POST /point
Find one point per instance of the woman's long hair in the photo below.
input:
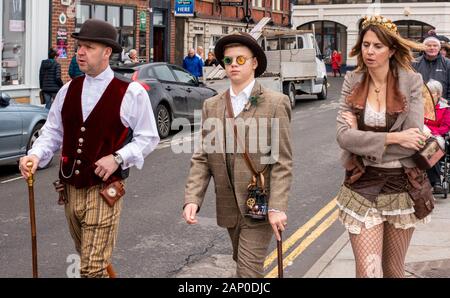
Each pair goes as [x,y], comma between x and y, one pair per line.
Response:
[402,57]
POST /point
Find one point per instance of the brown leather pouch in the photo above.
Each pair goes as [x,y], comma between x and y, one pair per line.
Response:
[61,190]
[112,192]
[420,191]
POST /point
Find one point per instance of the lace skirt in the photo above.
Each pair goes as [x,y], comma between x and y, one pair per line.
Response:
[355,211]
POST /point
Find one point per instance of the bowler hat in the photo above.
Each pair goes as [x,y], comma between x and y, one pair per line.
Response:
[99,31]
[246,40]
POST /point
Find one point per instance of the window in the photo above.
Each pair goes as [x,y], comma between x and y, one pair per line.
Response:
[100,12]
[183,76]
[288,43]
[411,29]
[114,15]
[163,73]
[257,3]
[12,42]
[158,17]
[273,44]
[329,36]
[128,17]
[300,42]
[83,13]
[276,5]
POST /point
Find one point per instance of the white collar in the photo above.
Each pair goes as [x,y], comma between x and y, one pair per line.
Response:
[106,75]
[247,90]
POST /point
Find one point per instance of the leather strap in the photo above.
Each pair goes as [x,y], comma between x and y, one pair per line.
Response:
[248,161]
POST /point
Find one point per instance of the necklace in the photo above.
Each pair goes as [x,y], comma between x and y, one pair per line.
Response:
[377,90]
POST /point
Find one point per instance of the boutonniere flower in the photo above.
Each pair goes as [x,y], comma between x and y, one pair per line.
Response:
[252,101]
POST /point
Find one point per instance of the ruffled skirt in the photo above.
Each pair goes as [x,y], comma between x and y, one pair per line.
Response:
[356,212]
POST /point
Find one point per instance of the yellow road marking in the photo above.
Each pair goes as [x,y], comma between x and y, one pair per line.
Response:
[305,243]
[301,232]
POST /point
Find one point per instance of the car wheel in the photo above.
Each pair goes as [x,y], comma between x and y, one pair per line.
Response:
[163,121]
[289,90]
[324,92]
[35,133]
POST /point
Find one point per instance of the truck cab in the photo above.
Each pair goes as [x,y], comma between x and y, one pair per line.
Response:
[295,58]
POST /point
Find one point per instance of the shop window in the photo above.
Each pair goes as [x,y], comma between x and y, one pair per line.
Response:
[100,12]
[83,13]
[158,17]
[329,36]
[128,17]
[114,15]
[12,42]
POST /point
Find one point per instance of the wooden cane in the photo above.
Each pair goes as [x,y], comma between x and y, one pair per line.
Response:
[111,272]
[30,181]
[280,255]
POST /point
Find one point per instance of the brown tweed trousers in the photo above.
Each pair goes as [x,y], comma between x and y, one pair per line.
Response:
[250,239]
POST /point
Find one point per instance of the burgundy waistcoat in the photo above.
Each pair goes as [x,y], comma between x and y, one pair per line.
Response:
[85,142]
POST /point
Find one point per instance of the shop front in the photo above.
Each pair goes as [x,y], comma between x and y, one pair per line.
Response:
[22,45]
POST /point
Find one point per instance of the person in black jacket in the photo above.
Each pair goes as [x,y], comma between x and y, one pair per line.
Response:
[432,65]
[50,78]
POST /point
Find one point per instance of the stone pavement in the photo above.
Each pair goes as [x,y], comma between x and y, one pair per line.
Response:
[428,254]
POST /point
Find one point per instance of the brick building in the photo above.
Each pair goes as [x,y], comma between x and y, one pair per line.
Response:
[211,20]
[130,17]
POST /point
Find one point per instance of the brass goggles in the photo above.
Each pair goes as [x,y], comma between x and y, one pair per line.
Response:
[240,60]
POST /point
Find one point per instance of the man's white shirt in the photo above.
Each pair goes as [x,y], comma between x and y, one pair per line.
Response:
[239,101]
[135,112]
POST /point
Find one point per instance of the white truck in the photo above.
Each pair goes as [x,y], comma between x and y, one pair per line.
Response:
[295,65]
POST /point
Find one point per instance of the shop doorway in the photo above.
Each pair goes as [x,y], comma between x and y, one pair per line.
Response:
[158,44]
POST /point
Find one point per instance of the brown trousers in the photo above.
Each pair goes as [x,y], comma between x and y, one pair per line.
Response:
[250,244]
[93,226]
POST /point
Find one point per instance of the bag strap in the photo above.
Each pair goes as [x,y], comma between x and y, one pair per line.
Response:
[248,161]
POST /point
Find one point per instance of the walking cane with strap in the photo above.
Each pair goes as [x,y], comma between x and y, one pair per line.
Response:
[30,181]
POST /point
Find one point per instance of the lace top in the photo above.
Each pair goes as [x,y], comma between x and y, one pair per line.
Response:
[377,119]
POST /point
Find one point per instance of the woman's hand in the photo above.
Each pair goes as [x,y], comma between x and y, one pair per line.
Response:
[411,138]
[350,118]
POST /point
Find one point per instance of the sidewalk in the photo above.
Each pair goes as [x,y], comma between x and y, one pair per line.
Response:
[428,254]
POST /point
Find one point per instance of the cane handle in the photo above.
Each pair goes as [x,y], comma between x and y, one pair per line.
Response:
[30,178]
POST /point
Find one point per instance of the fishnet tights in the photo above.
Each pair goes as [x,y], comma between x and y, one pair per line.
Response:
[381,250]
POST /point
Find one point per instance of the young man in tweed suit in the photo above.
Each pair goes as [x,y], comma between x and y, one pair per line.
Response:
[243,60]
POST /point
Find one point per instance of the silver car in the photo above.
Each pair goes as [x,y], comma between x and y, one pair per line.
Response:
[20,126]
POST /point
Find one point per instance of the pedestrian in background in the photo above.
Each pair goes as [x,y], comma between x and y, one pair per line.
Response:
[243,60]
[104,126]
[50,77]
[74,69]
[379,128]
[193,64]
[211,61]
[336,61]
[438,128]
[432,65]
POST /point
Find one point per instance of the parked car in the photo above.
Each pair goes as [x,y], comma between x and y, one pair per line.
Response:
[20,126]
[173,91]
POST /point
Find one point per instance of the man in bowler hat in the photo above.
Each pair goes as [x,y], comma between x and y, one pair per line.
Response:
[243,60]
[105,126]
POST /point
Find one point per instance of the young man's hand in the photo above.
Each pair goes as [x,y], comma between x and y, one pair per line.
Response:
[189,213]
[278,221]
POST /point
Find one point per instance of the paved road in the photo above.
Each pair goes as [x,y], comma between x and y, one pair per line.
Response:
[153,239]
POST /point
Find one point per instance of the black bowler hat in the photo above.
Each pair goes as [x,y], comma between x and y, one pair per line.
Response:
[246,40]
[99,31]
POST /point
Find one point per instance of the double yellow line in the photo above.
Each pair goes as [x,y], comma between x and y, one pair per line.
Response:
[292,240]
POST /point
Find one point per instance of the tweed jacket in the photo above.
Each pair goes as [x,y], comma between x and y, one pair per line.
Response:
[371,145]
[231,197]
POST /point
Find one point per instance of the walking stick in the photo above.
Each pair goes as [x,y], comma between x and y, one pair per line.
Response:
[30,181]
[280,256]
